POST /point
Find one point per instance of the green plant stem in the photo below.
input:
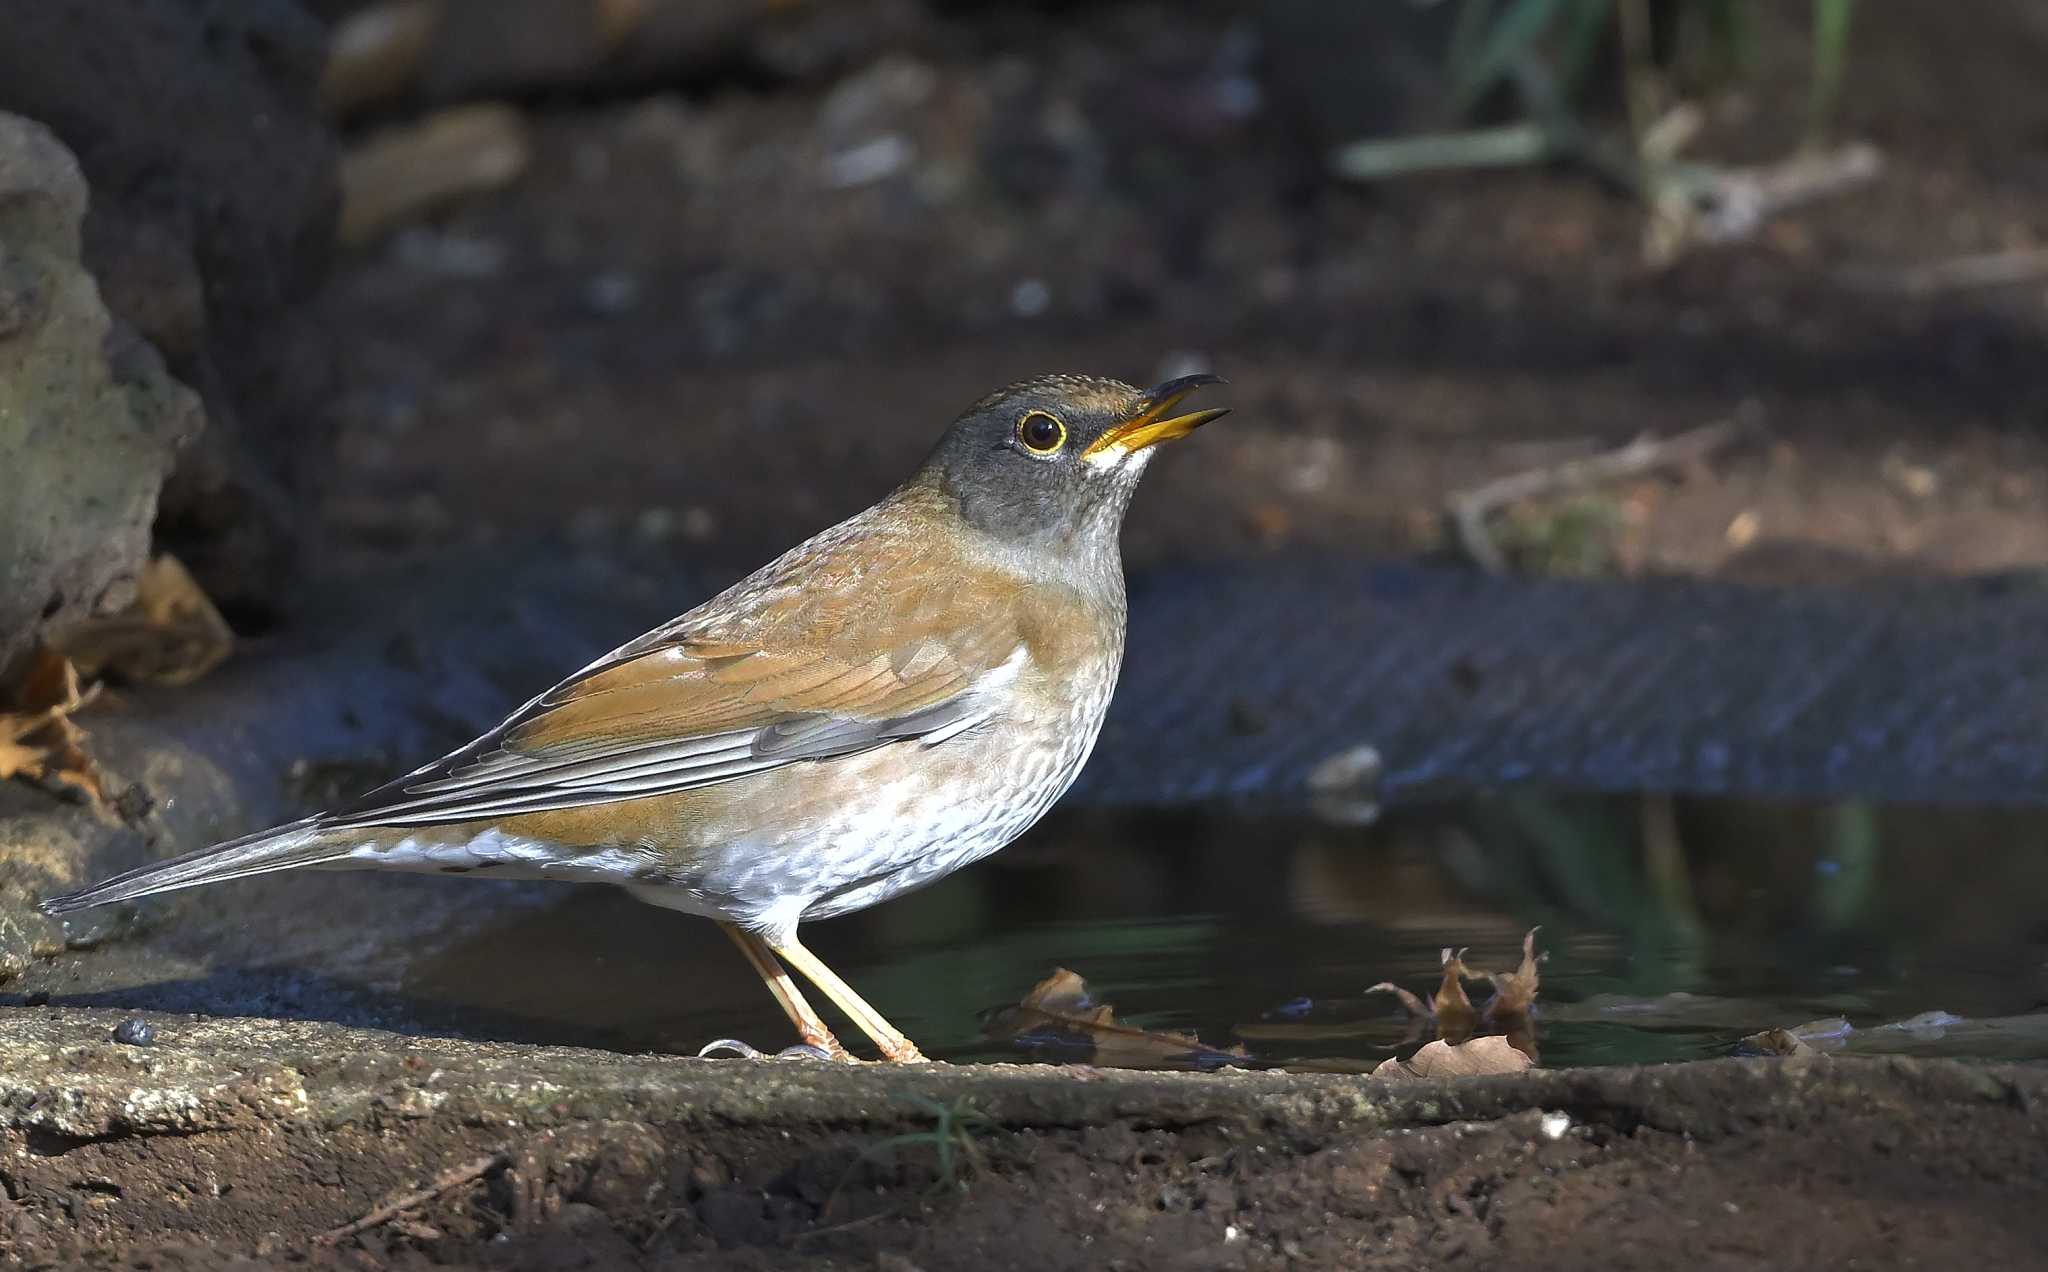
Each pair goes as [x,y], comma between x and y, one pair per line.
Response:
[1830,57]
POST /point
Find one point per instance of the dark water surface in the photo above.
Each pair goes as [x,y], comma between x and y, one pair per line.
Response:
[1673,928]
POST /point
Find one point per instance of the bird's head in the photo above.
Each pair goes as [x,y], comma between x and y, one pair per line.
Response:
[1054,461]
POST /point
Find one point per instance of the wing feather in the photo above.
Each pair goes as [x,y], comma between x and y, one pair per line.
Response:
[785,667]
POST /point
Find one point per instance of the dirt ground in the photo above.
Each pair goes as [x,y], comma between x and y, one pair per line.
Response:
[674,327]
[255,1138]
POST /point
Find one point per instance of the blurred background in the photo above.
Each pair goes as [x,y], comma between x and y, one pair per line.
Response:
[1744,292]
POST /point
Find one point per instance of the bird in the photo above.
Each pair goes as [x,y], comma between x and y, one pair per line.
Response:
[896,697]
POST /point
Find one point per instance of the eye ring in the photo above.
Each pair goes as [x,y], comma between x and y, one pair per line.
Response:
[1041,432]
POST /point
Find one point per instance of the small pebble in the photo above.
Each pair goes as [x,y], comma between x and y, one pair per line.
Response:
[612,292]
[135,1032]
[1030,298]
[1296,1008]
[869,162]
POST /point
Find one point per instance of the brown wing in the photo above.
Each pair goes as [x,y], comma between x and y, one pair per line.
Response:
[824,652]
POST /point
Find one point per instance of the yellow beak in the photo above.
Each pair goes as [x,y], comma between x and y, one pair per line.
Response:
[1153,424]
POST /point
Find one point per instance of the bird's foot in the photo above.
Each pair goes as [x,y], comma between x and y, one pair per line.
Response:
[795,1051]
[905,1052]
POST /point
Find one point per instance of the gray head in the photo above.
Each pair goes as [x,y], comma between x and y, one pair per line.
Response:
[1055,460]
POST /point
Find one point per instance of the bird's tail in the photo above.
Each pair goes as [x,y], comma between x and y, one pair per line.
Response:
[287,847]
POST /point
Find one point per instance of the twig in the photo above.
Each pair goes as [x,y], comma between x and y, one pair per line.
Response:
[1957,273]
[1508,146]
[446,1181]
[1469,509]
[1735,201]
[833,1230]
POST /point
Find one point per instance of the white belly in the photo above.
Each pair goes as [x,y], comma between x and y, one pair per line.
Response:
[888,827]
[840,835]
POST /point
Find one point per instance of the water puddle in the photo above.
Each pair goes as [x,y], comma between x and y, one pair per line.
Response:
[1670,929]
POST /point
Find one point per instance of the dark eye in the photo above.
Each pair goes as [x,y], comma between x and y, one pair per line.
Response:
[1042,434]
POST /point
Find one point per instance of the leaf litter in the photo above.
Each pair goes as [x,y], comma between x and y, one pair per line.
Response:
[39,740]
[170,635]
[1930,1034]
[1059,1016]
[1497,1036]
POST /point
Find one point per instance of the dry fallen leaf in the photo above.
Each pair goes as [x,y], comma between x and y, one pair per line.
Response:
[171,635]
[1440,1059]
[1454,1013]
[1930,1033]
[38,740]
[1775,1042]
[1510,1011]
[1516,991]
[1415,1007]
[1058,1011]
[1512,1007]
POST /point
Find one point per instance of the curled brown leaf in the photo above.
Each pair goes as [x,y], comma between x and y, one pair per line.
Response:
[1509,1013]
[1441,1059]
[1059,1012]
[39,741]
[1513,1005]
[1455,1015]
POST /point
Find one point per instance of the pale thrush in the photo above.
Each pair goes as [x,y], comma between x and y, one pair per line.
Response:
[894,698]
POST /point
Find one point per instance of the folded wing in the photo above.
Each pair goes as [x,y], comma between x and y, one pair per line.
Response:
[783,669]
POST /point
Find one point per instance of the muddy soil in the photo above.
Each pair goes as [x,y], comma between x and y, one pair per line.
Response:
[679,326]
[256,1138]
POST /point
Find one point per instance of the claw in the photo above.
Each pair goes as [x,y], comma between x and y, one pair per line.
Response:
[728,1046]
[807,1051]
[747,1051]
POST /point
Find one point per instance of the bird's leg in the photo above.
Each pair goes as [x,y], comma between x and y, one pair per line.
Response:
[810,1027]
[894,1046]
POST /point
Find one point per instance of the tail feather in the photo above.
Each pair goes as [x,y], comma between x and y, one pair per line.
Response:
[286,847]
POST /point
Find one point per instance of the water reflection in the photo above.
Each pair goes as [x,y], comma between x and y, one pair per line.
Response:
[1673,927]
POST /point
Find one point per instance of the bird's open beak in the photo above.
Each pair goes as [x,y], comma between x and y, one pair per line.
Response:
[1155,422]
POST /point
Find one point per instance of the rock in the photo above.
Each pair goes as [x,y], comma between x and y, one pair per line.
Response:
[89,420]
[444,51]
[212,216]
[405,172]
[215,1135]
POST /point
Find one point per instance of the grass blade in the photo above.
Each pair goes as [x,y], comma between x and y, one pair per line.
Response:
[1731,33]
[1584,24]
[1830,58]
[1508,40]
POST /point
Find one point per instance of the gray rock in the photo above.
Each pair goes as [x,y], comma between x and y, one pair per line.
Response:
[89,420]
[213,205]
[135,1032]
